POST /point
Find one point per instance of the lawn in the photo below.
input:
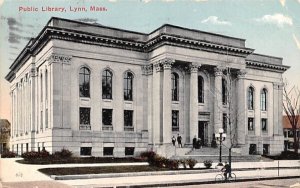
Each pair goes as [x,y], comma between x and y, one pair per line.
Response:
[100,170]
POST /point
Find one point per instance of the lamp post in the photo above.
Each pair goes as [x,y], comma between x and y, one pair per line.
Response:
[220,136]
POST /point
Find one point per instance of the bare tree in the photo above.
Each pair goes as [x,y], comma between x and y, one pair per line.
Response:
[291,107]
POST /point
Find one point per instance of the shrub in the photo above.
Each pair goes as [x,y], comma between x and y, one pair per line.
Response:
[8,154]
[183,162]
[34,155]
[207,163]
[173,164]
[191,162]
[63,154]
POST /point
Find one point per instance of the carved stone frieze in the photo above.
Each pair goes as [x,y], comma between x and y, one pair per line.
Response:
[59,58]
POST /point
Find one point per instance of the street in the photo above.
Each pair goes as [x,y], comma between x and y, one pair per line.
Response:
[291,183]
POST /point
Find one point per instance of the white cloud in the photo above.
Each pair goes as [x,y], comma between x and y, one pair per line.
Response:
[215,20]
[204,0]
[112,1]
[146,1]
[282,2]
[297,41]
[278,19]
[1,2]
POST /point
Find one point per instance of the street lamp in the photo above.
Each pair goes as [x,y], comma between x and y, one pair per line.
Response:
[220,137]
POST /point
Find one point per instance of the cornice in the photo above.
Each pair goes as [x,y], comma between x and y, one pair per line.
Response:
[266,66]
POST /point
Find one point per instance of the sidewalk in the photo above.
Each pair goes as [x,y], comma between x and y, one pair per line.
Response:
[11,171]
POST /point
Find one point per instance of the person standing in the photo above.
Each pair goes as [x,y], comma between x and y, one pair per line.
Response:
[194,142]
[173,140]
[179,141]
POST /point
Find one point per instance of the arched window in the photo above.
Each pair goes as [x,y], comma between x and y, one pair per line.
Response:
[84,82]
[128,80]
[200,89]
[250,98]
[107,84]
[263,99]
[224,91]
[175,84]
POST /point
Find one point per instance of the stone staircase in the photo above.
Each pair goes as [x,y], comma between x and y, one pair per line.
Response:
[208,153]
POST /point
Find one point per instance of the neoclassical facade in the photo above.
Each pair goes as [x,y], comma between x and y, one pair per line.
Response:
[104,91]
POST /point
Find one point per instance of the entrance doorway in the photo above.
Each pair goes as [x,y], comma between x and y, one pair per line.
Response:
[202,132]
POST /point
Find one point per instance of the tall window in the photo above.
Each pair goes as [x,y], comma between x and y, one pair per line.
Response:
[175,84]
[264,124]
[46,118]
[263,100]
[224,91]
[107,117]
[225,121]
[128,120]
[128,79]
[175,120]
[41,125]
[200,89]
[84,82]
[250,124]
[106,85]
[41,89]
[84,119]
[250,98]
[46,84]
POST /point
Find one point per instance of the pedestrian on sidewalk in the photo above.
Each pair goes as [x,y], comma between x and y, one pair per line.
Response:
[179,140]
[173,140]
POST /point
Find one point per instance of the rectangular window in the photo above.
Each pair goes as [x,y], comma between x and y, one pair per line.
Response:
[250,124]
[175,120]
[41,126]
[107,119]
[128,120]
[129,151]
[264,124]
[266,149]
[85,151]
[252,149]
[290,134]
[108,151]
[225,120]
[46,118]
[285,134]
[27,149]
[84,119]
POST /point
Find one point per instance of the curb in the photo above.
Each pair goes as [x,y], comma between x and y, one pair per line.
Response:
[171,184]
[131,174]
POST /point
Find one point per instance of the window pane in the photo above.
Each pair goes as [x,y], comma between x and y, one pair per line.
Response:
[224,91]
[128,116]
[200,89]
[84,82]
[264,124]
[128,79]
[175,86]
[84,115]
[129,151]
[225,123]
[250,98]
[107,116]
[108,151]
[250,124]
[175,120]
[86,151]
[107,85]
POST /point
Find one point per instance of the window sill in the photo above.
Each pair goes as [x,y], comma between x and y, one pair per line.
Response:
[107,100]
[85,98]
[175,102]
[175,129]
[84,127]
[107,128]
[131,129]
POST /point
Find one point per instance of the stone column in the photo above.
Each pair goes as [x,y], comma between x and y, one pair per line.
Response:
[218,99]
[148,72]
[167,100]
[241,108]
[60,73]
[193,101]
[278,108]
[33,96]
[157,104]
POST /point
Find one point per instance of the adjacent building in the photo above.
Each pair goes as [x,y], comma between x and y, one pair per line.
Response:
[289,133]
[105,91]
[4,135]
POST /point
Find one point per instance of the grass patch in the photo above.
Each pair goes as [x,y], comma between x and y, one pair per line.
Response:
[82,160]
[100,170]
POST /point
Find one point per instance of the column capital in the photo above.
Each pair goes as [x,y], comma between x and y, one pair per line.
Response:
[193,67]
[59,58]
[147,69]
[158,66]
[167,63]
[241,73]
[218,71]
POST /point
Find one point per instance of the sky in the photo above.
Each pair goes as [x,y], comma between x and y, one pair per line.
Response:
[271,27]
